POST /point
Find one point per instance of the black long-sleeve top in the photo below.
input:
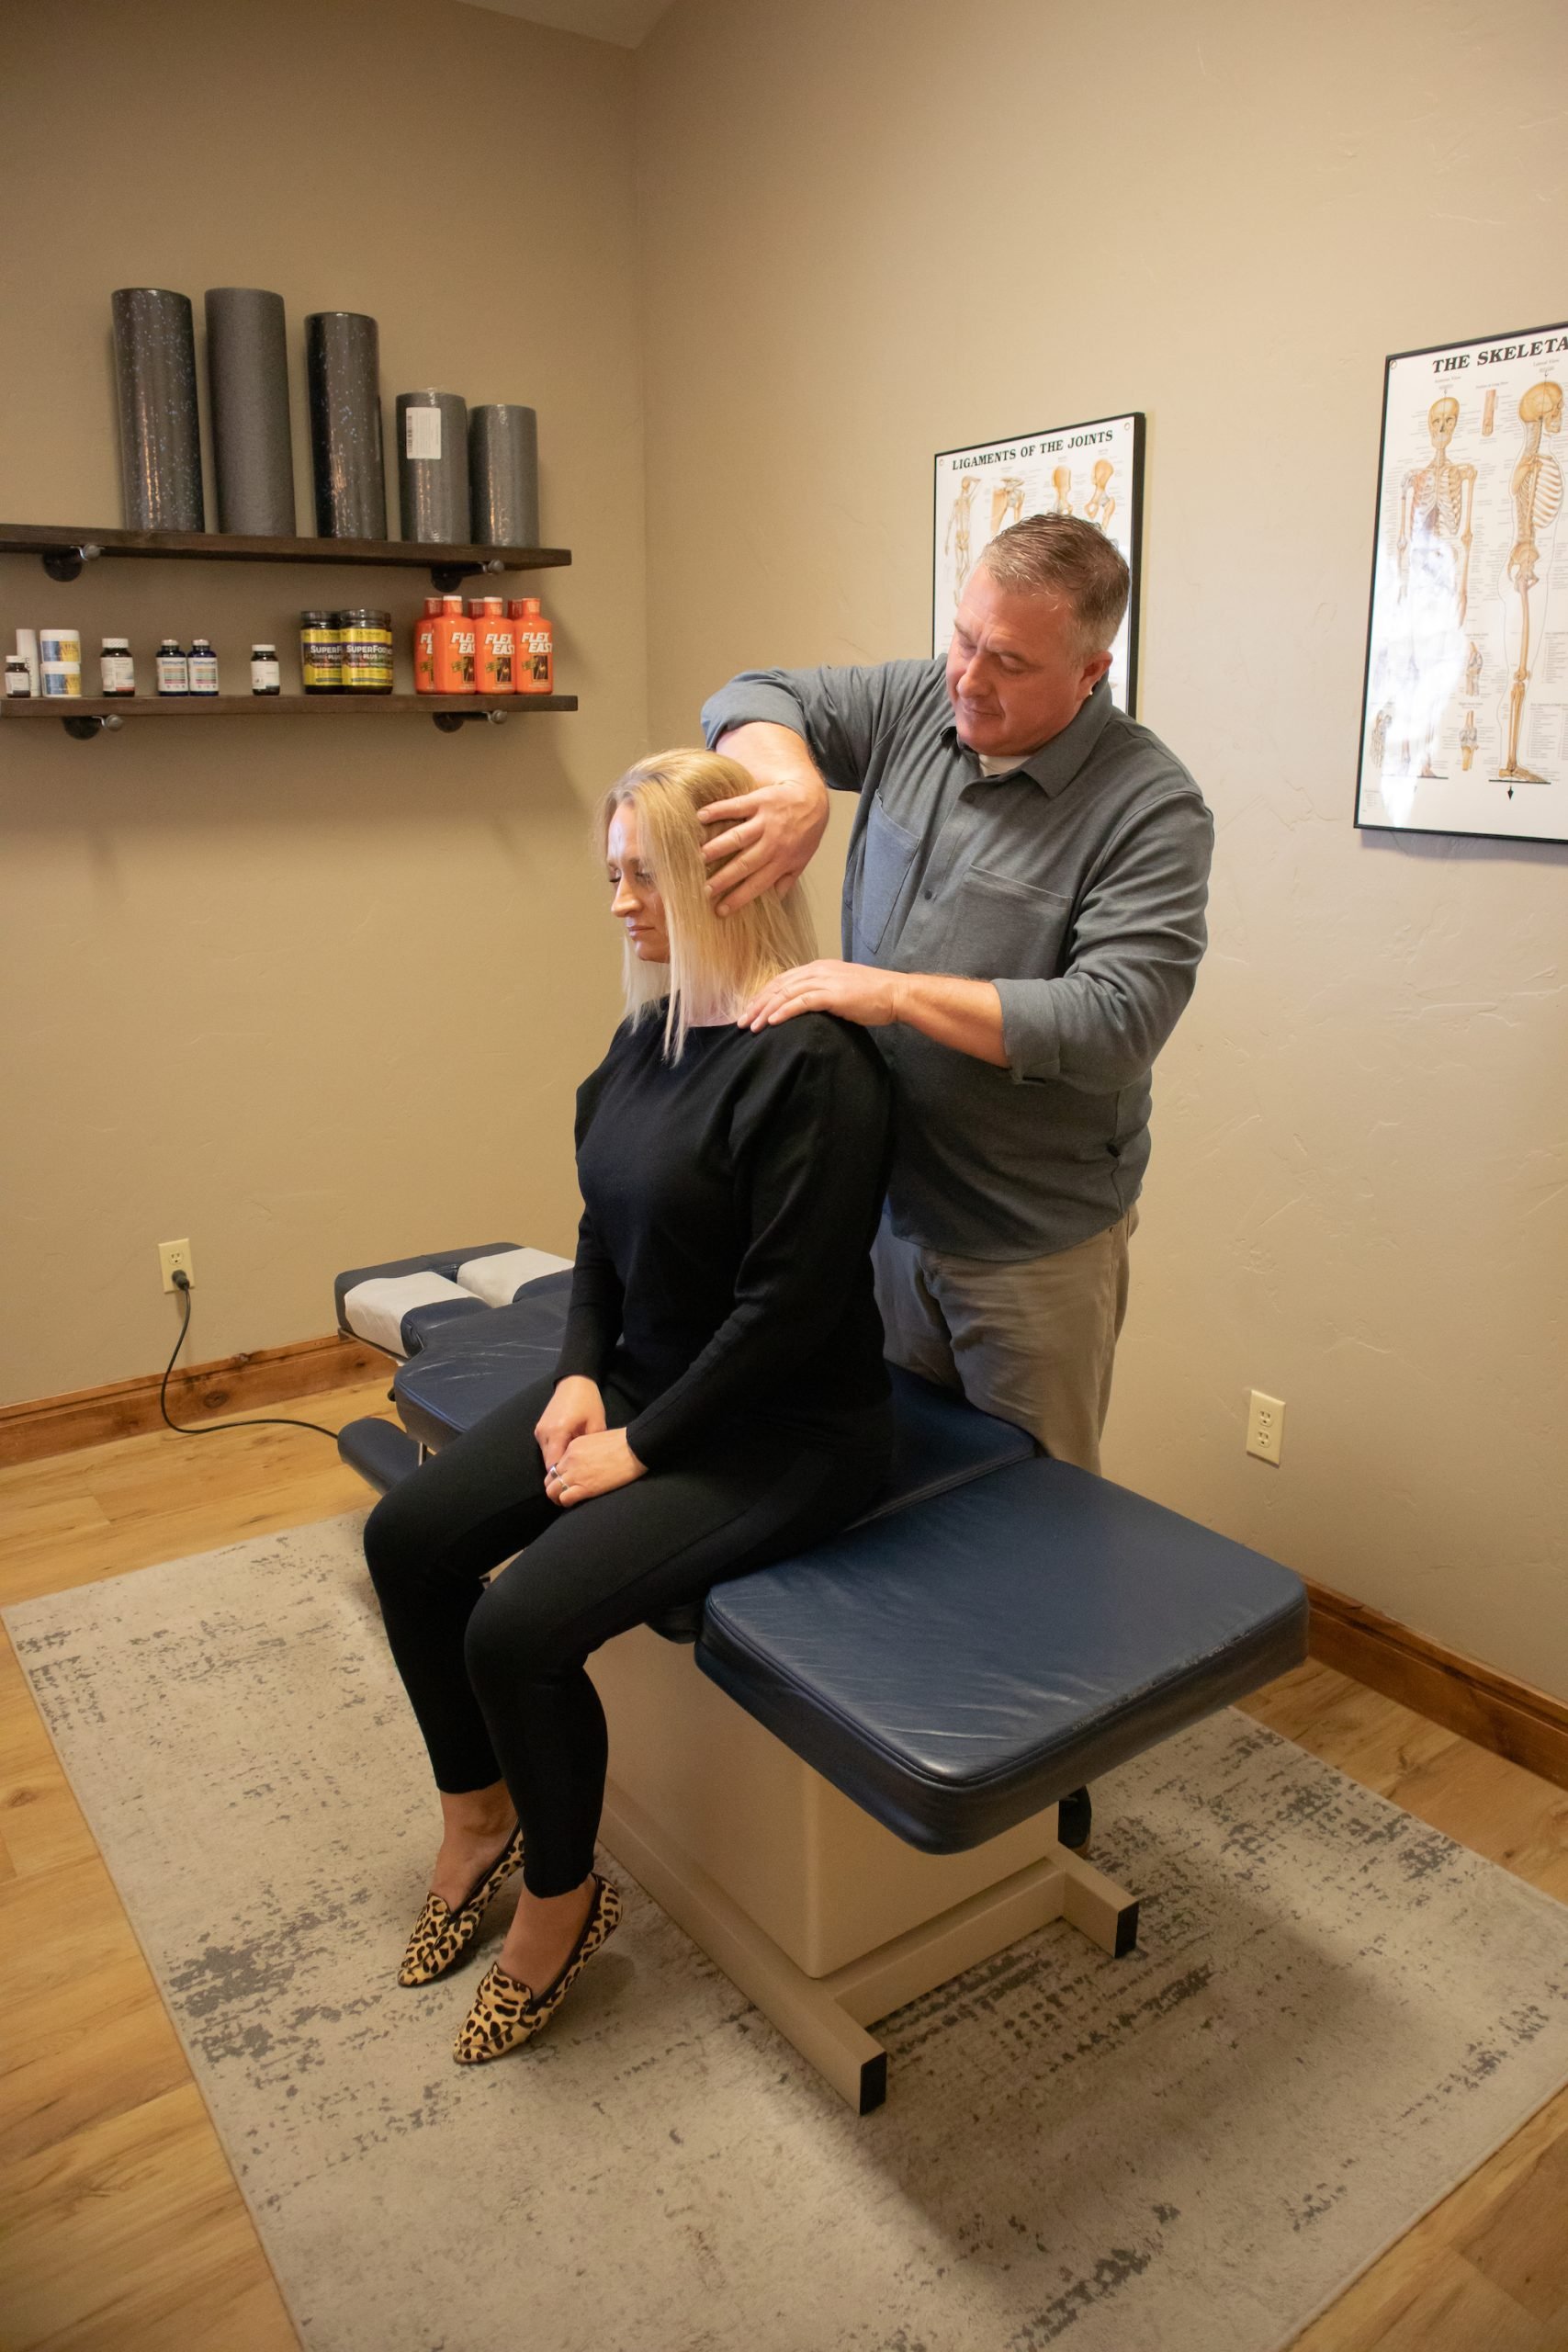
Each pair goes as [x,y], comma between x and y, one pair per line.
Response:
[723,1260]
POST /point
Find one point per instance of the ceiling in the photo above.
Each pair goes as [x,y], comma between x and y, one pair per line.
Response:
[624,21]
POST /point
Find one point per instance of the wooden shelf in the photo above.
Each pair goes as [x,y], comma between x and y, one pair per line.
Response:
[89,715]
[65,549]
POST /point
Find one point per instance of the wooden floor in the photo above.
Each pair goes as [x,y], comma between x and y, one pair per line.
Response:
[123,2229]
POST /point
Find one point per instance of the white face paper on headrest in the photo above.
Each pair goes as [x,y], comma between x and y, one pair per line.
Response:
[498,1280]
[375,1309]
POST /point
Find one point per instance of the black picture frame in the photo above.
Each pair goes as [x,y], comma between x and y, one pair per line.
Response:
[1492,363]
[1054,441]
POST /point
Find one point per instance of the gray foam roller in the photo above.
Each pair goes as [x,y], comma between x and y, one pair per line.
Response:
[159,439]
[433,490]
[247,381]
[503,452]
[343,362]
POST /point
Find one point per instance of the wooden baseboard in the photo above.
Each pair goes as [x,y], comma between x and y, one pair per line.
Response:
[1527,1726]
[203,1392]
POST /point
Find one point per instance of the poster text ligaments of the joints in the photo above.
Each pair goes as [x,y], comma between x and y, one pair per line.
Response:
[1089,470]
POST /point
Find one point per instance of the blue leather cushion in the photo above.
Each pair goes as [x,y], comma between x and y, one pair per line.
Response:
[479,1361]
[379,1450]
[421,1325]
[938,1441]
[961,1666]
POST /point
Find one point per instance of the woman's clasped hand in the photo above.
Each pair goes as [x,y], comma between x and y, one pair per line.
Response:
[583,1458]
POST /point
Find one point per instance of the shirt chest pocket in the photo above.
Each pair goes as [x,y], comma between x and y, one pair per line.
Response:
[1004,930]
[889,853]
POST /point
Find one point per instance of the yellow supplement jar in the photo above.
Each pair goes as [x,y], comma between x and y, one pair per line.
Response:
[366,653]
[320,653]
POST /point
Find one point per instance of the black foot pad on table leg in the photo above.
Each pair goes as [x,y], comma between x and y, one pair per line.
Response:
[1075,1818]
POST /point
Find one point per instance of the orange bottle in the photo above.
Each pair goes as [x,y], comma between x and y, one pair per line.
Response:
[535,647]
[425,647]
[497,639]
[454,649]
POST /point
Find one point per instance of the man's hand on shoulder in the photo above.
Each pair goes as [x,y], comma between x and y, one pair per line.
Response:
[861,992]
[965,1014]
[771,834]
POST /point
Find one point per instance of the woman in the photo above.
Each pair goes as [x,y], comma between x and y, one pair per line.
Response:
[720,1398]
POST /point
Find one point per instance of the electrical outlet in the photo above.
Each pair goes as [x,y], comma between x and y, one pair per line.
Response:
[1265,1425]
[174,1257]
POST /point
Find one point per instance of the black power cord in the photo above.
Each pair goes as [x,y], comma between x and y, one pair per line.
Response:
[181,1280]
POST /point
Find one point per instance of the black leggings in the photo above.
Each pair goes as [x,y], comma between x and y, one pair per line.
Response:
[495,1674]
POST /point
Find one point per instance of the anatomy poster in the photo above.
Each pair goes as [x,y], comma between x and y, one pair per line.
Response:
[1094,469]
[1464,724]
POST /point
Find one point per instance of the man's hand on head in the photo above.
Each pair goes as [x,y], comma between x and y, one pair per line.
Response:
[861,992]
[772,834]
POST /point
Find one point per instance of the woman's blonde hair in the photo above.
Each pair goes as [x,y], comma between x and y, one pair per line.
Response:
[716,964]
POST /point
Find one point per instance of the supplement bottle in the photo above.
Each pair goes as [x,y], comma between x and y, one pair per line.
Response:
[367,651]
[202,667]
[454,649]
[536,648]
[116,671]
[173,673]
[496,646]
[320,653]
[61,645]
[425,647]
[266,675]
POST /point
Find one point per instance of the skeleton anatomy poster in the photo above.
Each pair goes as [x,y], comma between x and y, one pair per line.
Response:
[1094,469]
[1464,722]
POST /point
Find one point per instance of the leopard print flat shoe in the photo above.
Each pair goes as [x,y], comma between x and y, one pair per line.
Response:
[506,2013]
[442,1935]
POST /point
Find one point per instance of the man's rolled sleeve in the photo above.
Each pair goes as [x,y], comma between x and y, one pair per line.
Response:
[1029,1028]
[846,714]
[755,694]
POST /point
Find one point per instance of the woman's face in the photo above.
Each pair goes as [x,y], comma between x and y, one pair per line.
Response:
[636,903]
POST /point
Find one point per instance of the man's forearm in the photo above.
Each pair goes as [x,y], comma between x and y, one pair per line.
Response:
[772,753]
[965,1014]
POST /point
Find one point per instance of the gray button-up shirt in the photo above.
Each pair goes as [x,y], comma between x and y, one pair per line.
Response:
[1077,883]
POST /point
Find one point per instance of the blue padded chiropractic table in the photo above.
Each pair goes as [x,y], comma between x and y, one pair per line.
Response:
[911,1700]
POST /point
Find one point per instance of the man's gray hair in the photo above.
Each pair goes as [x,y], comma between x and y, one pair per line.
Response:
[1065,555]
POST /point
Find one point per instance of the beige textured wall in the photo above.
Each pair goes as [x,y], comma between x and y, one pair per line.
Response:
[308,992]
[872,232]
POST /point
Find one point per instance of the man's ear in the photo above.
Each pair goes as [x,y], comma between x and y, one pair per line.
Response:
[1094,669]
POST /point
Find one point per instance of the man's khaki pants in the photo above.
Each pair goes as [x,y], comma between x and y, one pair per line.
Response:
[1032,1341]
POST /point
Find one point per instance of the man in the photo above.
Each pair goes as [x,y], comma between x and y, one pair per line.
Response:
[1023,912]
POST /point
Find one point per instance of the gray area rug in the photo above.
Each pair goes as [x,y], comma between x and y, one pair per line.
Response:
[1335,2014]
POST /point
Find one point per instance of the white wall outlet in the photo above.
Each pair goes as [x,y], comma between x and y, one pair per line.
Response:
[174,1257]
[1265,1425]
